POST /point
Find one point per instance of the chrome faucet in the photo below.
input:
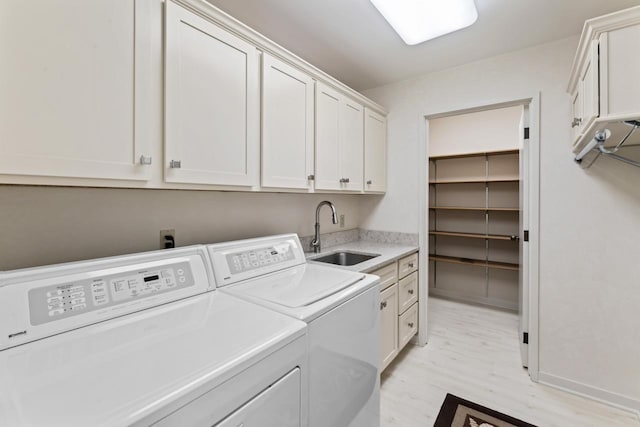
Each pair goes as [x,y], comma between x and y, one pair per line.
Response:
[315,243]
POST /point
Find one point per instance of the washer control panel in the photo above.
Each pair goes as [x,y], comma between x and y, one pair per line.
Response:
[247,260]
[47,304]
[241,260]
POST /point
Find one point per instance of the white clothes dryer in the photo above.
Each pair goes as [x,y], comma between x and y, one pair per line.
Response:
[340,307]
[144,340]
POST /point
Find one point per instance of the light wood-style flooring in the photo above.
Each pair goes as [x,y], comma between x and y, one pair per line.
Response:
[473,352]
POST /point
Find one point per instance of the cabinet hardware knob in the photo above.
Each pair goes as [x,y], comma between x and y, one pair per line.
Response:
[410,324]
[145,160]
[369,182]
[383,304]
[576,122]
[410,291]
[346,180]
[175,164]
[343,180]
[410,265]
[311,177]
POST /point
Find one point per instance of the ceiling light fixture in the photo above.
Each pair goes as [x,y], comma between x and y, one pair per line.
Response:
[417,21]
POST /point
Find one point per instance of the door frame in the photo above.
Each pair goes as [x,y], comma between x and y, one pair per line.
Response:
[533,101]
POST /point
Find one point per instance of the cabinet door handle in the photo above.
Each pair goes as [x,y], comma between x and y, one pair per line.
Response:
[410,265]
[383,305]
[346,180]
[175,164]
[342,181]
[369,182]
[576,122]
[311,177]
[145,160]
[410,324]
[410,291]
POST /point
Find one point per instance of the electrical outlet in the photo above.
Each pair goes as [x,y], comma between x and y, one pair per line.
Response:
[342,221]
[167,239]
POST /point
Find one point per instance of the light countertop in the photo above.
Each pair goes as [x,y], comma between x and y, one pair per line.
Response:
[388,252]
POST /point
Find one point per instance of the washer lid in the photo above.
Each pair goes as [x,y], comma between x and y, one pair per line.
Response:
[299,286]
[136,367]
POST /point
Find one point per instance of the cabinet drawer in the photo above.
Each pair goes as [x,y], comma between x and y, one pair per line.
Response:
[388,275]
[408,326]
[407,265]
[407,292]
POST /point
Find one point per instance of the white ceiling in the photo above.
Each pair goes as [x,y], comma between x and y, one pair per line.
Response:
[351,41]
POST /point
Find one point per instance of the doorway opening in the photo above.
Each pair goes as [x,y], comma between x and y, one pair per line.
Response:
[481,174]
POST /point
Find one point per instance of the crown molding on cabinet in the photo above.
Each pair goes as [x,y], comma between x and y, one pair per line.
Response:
[592,30]
[229,23]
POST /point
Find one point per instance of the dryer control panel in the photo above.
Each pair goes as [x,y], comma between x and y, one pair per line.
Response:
[40,302]
[47,304]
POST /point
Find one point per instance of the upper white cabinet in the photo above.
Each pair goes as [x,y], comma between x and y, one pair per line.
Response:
[287,126]
[604,85]
[211,103]
[172,94]
[339,141]
[375,152]
[74,79]
[351,144]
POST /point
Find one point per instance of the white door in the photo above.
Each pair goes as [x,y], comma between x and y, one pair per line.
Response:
[523,285]
[351,144]
[74,79]
[328,111]
[211,103]
[287,126]
[375,152]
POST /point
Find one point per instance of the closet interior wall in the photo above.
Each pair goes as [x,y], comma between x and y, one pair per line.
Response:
[474,227]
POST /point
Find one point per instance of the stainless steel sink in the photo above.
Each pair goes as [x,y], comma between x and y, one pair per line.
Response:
[345,258]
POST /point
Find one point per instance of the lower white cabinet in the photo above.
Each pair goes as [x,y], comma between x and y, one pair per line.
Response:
[398,306]
[407,326]
[388,325]
[211,103]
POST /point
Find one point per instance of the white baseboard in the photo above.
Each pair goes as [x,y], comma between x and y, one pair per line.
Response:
[594,393]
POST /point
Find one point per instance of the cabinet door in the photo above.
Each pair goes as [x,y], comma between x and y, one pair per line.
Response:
[287,125]
[576,109]
[351,145]
[375,152]
[620,67]
[589,87]
[75,93]
[327,173]
[212,103]
[388,325]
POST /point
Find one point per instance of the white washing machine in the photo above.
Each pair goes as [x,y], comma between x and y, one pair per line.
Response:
[144,340]
[341,309]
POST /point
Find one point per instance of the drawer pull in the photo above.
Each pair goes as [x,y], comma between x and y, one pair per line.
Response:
[410,291]
[145,160]
[383,304]
[369,182]
[175,164]
[410,324]
[410,265]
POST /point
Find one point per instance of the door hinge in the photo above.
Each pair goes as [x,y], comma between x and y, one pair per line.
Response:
[525,337]
[526,235]
[526,133]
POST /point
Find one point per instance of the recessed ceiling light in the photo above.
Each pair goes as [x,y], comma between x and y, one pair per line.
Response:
[417,21]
